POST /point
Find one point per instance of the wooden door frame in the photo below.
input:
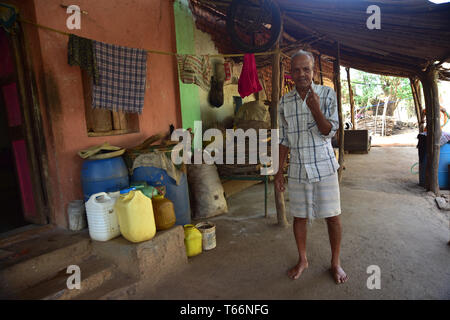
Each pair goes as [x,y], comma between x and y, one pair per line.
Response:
[32,121]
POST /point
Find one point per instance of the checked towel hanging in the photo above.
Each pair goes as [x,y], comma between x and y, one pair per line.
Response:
[122,74]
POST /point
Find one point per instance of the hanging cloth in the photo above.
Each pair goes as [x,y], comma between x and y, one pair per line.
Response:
[248,81]
[8,16]
[122,73]
[80,53]
[195,69]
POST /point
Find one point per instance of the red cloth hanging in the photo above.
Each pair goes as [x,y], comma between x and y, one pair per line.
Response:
[248,81]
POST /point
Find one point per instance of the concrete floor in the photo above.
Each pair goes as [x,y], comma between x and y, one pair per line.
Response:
[388,221]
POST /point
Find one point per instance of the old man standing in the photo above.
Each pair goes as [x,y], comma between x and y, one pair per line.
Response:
[308,119]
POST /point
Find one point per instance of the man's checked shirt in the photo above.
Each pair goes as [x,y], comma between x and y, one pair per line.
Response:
[312,157]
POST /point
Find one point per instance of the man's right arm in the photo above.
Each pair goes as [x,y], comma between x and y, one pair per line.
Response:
[283,147]
[279,176]
[283,151]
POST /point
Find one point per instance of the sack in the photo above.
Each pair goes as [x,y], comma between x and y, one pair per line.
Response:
[216,93]
[206,191]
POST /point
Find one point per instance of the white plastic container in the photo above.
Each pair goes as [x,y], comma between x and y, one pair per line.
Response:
[77,215]
[102,218]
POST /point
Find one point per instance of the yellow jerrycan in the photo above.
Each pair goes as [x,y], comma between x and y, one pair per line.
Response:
[135,214]
[164,212]
[192,240]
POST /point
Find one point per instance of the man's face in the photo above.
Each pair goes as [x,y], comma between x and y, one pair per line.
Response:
[302,71]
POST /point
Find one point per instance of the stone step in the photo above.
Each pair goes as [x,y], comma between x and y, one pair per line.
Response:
[94,272]
[119,287]
[149,260]
[33,260]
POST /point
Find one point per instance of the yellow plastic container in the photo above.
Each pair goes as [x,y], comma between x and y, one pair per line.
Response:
[192,240]
[135,214]
[164,212]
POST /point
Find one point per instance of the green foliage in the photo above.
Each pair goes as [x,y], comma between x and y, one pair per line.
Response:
[369,89]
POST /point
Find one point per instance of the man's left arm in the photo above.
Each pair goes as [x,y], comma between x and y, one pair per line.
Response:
[327,122]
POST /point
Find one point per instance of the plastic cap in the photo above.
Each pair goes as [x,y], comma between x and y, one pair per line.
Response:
[127,190]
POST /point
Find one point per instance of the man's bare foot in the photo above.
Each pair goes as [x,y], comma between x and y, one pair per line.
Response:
[295,272]
[338,274]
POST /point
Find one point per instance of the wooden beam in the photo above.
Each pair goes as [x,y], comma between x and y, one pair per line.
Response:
[352,102]
[289,37]
[432,107]
[337,79]
[279,196]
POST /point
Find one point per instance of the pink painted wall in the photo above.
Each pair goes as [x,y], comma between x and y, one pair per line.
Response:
[147,24]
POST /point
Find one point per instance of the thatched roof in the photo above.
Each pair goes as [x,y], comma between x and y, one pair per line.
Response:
[413,34]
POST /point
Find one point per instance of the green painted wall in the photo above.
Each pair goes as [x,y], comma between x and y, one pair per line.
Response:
[189,94]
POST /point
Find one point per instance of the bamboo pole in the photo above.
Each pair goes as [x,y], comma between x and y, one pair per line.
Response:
[337,79]
[279,196]
[352,101]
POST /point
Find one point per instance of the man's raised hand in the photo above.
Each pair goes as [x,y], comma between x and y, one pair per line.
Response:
[313,100]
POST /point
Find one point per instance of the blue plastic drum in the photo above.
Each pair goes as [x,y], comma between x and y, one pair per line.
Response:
[444,161]
[178,194]
[104,175]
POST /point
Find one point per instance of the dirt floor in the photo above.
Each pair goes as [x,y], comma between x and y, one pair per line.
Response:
[406,137]
[388,221]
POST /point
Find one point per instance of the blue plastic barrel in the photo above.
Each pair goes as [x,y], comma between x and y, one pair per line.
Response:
[444,161]
[104,175]
[178,194]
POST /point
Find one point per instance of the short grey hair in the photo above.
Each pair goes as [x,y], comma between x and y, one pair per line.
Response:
[304,53]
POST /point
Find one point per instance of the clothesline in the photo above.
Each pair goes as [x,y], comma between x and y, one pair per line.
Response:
[162,52]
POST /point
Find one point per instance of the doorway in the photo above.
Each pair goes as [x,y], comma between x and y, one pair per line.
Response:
[21,195]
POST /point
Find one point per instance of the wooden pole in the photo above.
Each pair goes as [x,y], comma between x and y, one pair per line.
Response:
[352,102]
[337,81]
[383,118]
[376,117]
[415,88]
[320,69]
[434,183]
[29,131]
[279,196]
[281,79]
[428,115]
[416,103]
[428,79]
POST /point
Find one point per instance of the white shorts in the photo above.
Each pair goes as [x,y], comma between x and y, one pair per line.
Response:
[315,200]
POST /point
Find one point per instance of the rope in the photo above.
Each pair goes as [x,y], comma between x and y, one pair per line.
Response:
[156,51]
